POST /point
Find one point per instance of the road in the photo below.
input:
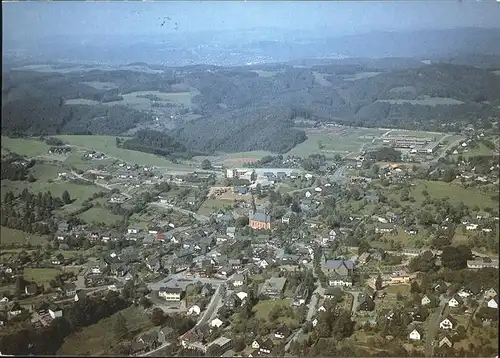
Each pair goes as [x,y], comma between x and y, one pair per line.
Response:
[445,149]
[433,327]
[201,218]
[107,187]
[213,305]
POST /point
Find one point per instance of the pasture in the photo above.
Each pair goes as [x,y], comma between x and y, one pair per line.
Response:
[456,193]
[335,140]
[99,339]
[13,236]
[41,276]
[107,145]
[26,147]
[99,215]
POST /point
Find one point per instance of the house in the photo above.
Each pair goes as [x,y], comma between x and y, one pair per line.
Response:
[206,290]
[383,228]
[223,343]
[341,267]
[273,287]
[80,296]
[257,343]
[366,303]
[266,347]
[238,280]
[216,322]
[490,293]
[445,340]
[31,289]
[471,226]
[339,280]
[150,340]
[231,231]
[259,221]
[242,295]
[415,335]
[282,332]
[363,259]
[447,323]
[235,264]
[194,310]
[400,277]
[425,300]
[170,293]
[493,303]
[69,289]
[55,312]
[300,295]
[133,230]
[455,301]
[15,310]
[232,301]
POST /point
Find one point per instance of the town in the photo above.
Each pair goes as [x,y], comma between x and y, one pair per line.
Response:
[259,261]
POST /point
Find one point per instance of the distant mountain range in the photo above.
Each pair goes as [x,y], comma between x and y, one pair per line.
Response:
[256,46]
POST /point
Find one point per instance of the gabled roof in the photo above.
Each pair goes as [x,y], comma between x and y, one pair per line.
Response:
[336,264]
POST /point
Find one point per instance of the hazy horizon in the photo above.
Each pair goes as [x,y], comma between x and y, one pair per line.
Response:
[37,20]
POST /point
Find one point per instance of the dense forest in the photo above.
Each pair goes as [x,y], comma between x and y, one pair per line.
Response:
[238,109]
[155,142]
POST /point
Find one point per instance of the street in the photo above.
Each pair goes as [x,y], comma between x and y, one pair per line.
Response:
[213,306]
[433,327]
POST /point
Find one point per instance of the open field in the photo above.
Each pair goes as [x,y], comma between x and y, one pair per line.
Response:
[107,145]
[99,338]
[481,150]
[100,85]
[42,276]
[438,189]
[99,215]
[263,308]
[335,140]
[395,289]
[234,159]
[13,236]
[435,101]
[211,205]
[26,147]
[263,73]
[360,76]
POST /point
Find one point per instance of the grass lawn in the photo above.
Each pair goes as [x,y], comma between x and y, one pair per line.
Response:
[13,236]
[99,338]
[99,215]
[42,276]
[27,147]
[394,289]
[481,150]
[45,172]
[439,189]
[263,308]
[107,145]
[211,205]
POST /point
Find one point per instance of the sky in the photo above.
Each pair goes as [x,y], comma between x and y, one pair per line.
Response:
[39,19]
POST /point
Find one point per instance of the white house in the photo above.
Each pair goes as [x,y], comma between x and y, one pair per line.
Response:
[133,230]
[256,344]
[493,303]
[340,281]
[471,226]
[464,294]
[263,264]
[490,293]
[194,310]
[242,295]
[308,194]
[318,189]
[425,301]
[446,324]
[55,312]
[315,322]
[322,309]
[216,323]
[238,280]
[415,335]
[454,302]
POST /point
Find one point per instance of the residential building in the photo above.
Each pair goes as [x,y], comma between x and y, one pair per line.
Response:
[170,293]
[493,303]
[445,340]
[55,312]
[415,335]
[69,289]
[194,310]
[238,280]
[425,300]
[273,287]
[216,322]
[455,301]
[447,323]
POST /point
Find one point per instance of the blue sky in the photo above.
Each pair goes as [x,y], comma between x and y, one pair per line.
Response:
[35,19]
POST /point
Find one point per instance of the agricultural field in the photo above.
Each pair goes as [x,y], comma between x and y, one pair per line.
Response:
[26,147]
[99,215]
[435,101]
[107,145]
[13,236]
[335,140]
[456,193]
[41,276]
[99,338]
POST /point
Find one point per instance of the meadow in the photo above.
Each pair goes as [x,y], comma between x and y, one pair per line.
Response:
[41,276]
[13,236]
[26,147]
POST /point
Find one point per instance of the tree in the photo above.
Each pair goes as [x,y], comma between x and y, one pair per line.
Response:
[242,221]
[378,283]
[120,327]
[158,317]
[296,207]
[66,197]
[415,288]
[455,257]
[206,164]
[145,302]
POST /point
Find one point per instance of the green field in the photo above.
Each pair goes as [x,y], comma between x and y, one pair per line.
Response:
[107,145]
[347,140]
[26,147]
[438,189]
[394,289]
[435,101]
[211,205]
[42,276]
[99,339]
[481,150]
[99,215]
[13,236]
[263,308]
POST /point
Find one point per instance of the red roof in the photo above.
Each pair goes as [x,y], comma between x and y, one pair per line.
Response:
[161,236]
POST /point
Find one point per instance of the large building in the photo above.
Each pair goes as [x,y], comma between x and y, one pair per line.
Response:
[260,221]
[170,293]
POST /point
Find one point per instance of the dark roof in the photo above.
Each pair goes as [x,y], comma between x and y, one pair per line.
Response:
[69,287]
[261,217]
[335,264]
[171,289]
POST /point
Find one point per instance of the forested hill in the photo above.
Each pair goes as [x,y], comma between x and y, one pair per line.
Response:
[264,128]
[209,108]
